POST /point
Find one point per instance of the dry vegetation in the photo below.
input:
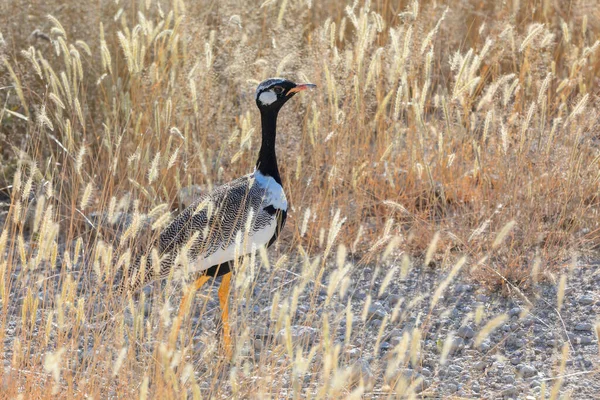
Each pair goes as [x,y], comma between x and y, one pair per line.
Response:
[437,131]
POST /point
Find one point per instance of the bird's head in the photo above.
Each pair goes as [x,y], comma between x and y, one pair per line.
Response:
[273,93]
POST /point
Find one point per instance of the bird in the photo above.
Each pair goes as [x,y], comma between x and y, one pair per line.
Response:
[222,226]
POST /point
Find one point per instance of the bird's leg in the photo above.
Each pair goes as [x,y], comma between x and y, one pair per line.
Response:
[184,306]
[224,303]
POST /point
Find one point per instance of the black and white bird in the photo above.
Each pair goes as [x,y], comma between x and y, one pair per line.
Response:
[233,220]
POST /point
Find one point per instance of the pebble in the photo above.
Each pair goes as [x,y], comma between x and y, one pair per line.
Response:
[393,299]
[261,332]
[454,370]
[361,295]
[375,324]
[376,311]
[498,365]
[482,298]
[583,326]
[514,342]
[363,371]
[457,345]
[510,390]
[451,387]
[302,308]
[385,346]
[527,371]
[586,299]
[353,352]
[466,332]
[485,346]
[409,375]
[585,340]
[395,340]
[300,335]
[515,311]
[528,321]
[463,288]
[480,365]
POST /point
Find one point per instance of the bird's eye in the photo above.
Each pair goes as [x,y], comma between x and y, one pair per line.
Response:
[278,89]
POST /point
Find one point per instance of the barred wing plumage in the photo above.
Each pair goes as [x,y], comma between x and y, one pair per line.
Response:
[207,229]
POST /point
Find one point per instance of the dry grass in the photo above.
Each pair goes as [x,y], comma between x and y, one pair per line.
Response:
[440,132]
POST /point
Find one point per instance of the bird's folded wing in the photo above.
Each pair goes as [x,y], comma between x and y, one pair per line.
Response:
[212,222]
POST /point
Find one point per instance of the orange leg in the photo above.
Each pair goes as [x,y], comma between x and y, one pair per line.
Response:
[184,307]
[224,303]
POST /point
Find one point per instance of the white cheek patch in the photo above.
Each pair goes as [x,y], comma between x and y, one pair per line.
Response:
[267,97]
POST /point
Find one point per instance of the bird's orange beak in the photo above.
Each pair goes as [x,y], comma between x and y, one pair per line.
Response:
[301,87]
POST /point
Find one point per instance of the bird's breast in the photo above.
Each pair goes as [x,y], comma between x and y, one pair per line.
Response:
[244,243]
[273,192]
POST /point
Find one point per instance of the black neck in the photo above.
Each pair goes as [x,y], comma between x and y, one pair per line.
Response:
[267,160]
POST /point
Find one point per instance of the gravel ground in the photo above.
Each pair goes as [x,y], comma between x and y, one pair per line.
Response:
[513,362]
